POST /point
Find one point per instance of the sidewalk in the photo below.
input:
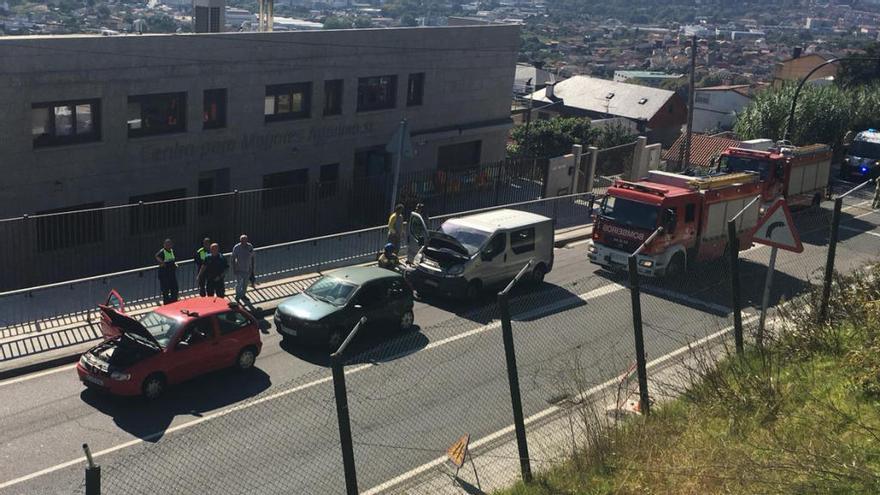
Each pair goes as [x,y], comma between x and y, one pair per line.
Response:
[61,340]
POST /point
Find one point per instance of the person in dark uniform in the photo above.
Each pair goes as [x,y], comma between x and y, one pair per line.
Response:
[167,272]
[213,271]
[199,259]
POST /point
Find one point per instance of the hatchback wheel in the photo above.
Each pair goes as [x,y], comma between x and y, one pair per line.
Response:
[406,320]
[153,387]
[246,359]
[538,274]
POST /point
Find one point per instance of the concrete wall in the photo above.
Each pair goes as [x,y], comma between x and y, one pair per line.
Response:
[468,75]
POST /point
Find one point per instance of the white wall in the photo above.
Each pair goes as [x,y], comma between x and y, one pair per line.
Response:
[719,111]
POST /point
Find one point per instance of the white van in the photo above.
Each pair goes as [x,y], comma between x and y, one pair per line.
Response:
[468,254]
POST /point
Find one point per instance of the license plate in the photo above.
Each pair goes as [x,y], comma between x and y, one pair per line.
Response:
[432,283]
[96,381]
[288,330]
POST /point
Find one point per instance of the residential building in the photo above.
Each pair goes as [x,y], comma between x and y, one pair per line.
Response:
[716,107]
[123,119]
[657,113]
[796,68]
[646,77]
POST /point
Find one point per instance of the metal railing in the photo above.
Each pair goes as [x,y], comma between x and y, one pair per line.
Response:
[73,302]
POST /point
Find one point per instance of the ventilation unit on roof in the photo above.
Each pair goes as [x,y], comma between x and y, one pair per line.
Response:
[609,96]
[642,101]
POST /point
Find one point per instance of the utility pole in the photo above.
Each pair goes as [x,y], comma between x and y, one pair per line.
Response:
[691,95]
[529,112]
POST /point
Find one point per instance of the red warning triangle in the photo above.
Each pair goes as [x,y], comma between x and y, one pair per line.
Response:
[776,229]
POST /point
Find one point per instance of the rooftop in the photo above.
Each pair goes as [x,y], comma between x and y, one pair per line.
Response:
[632,101]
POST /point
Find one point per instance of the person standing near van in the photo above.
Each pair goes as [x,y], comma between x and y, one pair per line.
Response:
[242,266]
[213,271]
[416,232]
[201,254]
[395,226]
[167,272]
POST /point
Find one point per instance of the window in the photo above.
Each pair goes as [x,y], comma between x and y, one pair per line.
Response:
[69,227]
[199,331]
[285,188]
[690,213]
[329,180]
[156,114]
[495,247]
[214,109]
[162,214]
[231,321]
[371,162]
[415,90]
[333,97]
[54,124]
[522,241]
[459,156]
[288,102]
[376,93]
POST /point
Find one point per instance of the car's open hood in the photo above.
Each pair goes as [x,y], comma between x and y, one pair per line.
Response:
[117,323]
[444,242]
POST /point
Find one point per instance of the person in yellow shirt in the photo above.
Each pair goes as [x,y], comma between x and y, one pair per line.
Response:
[395,227]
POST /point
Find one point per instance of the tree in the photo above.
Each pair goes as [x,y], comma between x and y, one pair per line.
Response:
[858,72]
[363,21]
[823,115]
[553,137]
[408,20]
[337,22]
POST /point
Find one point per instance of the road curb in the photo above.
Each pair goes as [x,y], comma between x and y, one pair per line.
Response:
[572,236]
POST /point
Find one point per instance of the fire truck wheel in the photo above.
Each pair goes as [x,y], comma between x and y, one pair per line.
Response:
[675,267]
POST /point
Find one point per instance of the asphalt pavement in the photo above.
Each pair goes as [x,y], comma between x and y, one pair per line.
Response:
[274,430]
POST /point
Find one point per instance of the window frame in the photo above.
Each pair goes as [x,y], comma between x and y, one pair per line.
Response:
[522,240]
[390,101]
[331,85]
[70,227]
[289,90]
[274,197]
[328,188]
[51,138]
[143,131]
[415,95]
[220,122]
[167,211]
[220,327]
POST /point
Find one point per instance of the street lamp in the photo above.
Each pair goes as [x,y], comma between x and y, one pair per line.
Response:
[797,92]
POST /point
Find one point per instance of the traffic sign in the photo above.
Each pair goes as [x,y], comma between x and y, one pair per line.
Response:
[458,450]
[776,229]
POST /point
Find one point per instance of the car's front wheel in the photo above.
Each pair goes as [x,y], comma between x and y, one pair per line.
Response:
[153,386]
[246,359]
[407,320]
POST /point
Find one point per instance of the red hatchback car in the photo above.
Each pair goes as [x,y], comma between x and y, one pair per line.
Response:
[143,355]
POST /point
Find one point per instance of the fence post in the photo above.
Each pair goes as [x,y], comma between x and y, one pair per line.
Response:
[236,215]
[340,393]
[829,262]
[733,251]
[641,363]
[591,169]
[513,377]
[93,473]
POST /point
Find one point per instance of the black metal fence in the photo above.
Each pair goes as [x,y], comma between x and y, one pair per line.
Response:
[64,246]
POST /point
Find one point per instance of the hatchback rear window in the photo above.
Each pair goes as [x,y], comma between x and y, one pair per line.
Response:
[231,321]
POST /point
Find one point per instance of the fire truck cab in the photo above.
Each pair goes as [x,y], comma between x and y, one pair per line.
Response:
[798,174]
[693,212]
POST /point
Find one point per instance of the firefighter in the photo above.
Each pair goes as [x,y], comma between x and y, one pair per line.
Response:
[201,254]
[167,272]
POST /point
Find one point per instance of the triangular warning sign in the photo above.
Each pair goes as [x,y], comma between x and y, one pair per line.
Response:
[776,229]
[458,450]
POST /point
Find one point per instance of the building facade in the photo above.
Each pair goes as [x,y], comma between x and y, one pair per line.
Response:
[716,108]
[93,121]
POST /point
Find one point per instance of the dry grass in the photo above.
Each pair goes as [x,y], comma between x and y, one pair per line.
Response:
[801,417]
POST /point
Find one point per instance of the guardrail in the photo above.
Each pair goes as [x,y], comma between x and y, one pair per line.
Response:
[73,302]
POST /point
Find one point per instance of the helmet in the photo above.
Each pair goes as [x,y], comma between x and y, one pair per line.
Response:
[389,247]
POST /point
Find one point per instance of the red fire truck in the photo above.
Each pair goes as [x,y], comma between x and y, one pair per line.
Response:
[798,174]
[693,212]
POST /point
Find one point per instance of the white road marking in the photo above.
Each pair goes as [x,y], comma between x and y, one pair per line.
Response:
[37,375]
[851,229]
[550,410]
[557,306]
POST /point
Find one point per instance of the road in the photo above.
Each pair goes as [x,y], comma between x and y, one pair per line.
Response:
[274,430]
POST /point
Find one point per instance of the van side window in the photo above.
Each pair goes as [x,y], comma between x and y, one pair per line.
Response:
[495,247]
[522,241]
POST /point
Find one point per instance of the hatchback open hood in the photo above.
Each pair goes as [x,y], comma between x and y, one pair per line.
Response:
[444,242]
[115,323]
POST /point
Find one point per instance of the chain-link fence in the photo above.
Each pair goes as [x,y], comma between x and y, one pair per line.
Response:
[412,395]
